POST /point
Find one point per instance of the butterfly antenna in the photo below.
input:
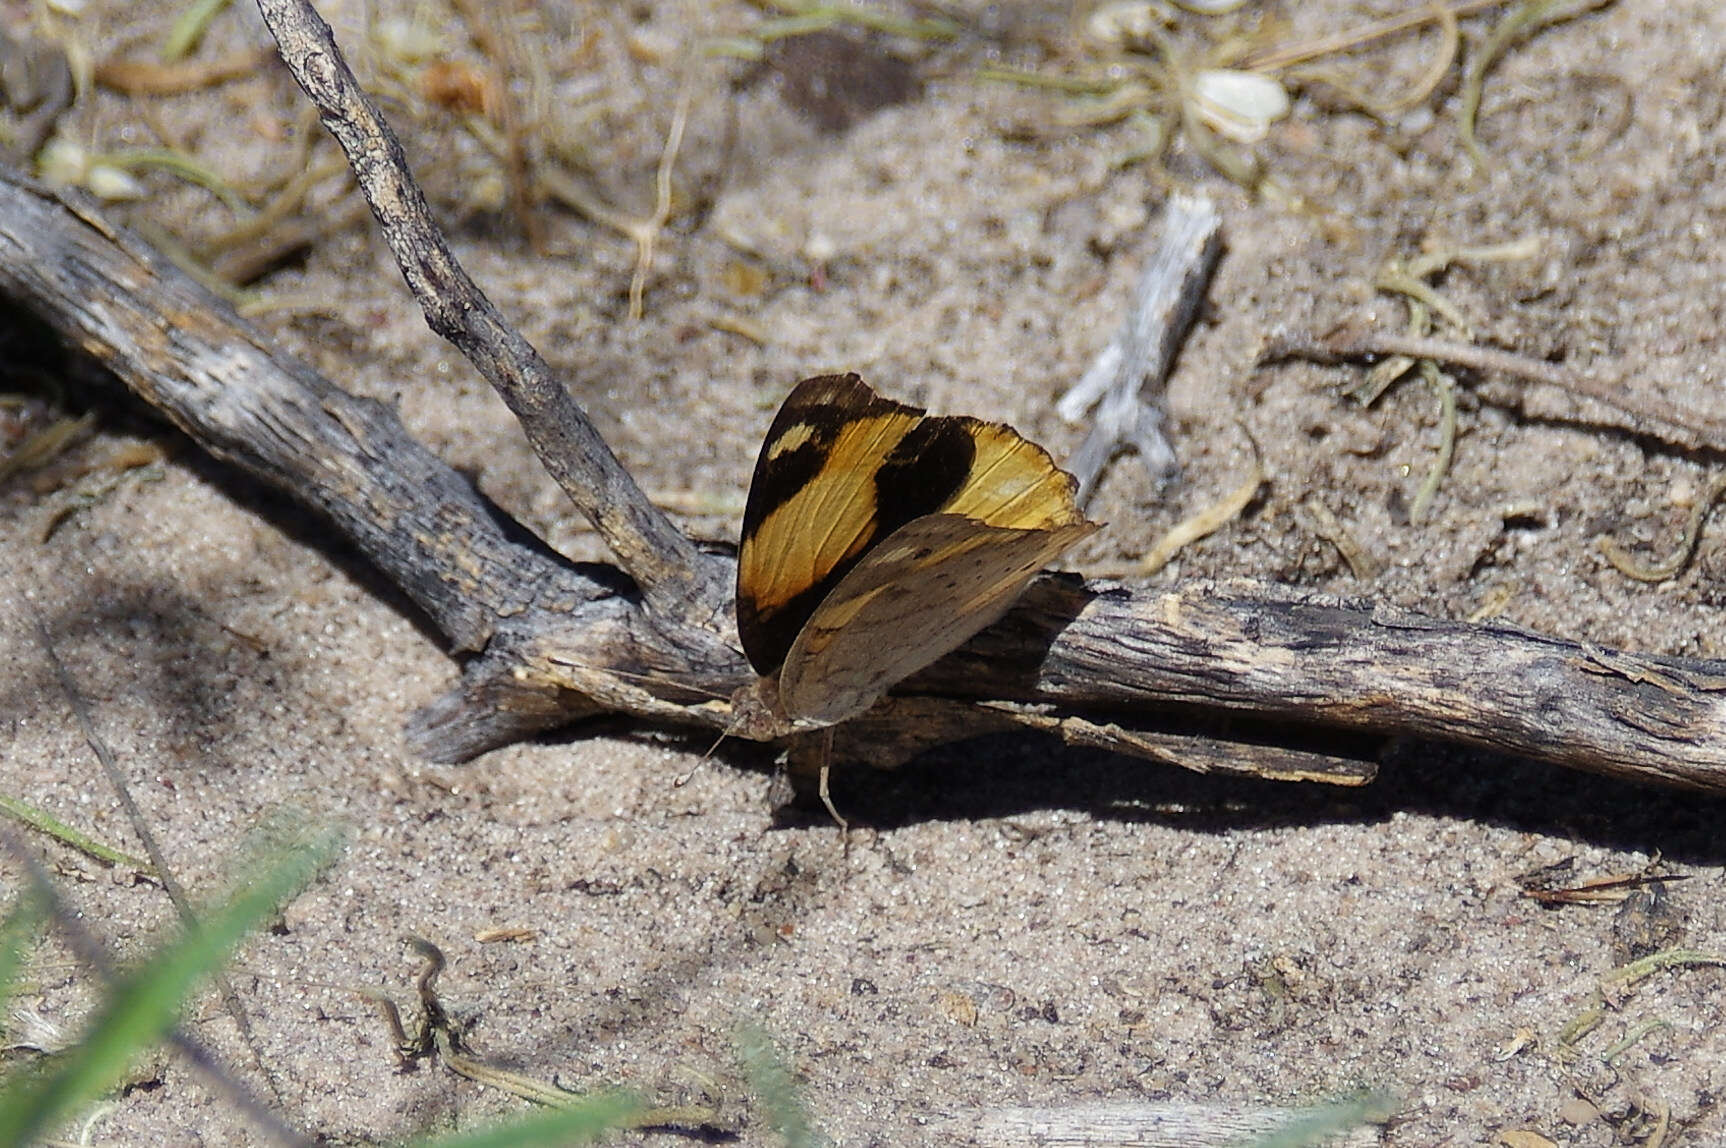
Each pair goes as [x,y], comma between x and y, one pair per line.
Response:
[683,779]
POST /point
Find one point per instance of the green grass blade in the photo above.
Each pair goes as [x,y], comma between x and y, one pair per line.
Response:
[577,1124]
[1324,1123]
[188,30]
[776,1086]
[44,822]
[15,935]
[144,1004]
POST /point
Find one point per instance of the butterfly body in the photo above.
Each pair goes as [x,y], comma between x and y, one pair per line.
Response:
[877,539]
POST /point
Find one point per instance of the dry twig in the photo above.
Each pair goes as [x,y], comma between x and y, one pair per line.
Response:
[1137,359]
[1618,405]
[673,575]
[1168,1124]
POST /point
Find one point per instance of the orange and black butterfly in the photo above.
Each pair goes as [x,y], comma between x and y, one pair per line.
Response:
[878,538]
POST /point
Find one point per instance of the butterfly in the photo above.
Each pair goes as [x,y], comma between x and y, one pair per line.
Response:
[878,538]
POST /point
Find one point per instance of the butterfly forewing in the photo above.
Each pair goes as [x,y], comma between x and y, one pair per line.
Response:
[1013,482]
[841,468]
[811,508]
[924,591]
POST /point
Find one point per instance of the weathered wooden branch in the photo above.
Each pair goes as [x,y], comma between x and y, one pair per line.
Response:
[674,576]
[1126,381]
[1161,1124]
[1240,679]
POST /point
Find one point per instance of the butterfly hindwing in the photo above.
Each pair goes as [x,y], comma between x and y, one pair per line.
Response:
[924,591]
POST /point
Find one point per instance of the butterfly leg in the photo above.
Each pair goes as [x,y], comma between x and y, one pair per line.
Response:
[825,751]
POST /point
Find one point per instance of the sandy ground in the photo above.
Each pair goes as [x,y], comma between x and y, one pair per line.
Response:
[1013,924]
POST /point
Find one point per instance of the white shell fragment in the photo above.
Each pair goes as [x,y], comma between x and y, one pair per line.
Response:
[105,181]
[64,163]
[1125,24]
[1239,105]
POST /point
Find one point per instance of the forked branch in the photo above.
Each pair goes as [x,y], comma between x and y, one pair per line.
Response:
[1241,679]
[1238,679]
[673,575]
